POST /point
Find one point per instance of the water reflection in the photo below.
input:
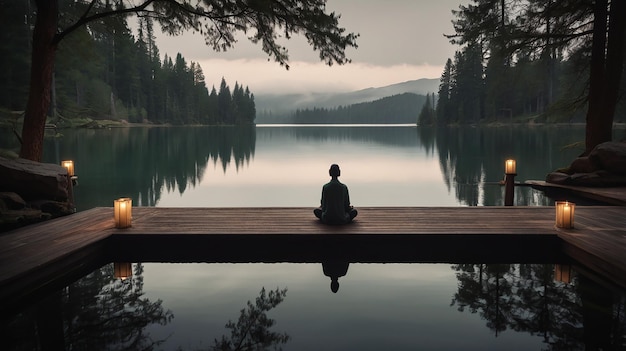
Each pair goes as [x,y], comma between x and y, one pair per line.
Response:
[569,314]
[472,159]
[98,312]
[334,270]
[142,163]
[252,330]
[122,270]
[520,307]
[398,136]
[283,166]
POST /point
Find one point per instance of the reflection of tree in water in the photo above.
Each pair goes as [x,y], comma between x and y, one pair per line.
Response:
[234,143]
[252,330]
[97,312]
[526,298]
[469,157]
[385,136]
[485,289]
[148,159]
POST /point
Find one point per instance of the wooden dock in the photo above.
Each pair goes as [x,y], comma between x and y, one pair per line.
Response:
[54,252]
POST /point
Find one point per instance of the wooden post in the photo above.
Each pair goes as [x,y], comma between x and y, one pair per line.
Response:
[70,191]
[72,180]
[509,189]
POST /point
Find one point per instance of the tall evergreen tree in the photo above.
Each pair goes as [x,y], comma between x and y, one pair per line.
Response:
[16,18]
[444,108]
[225,104]
[427,114]
[238,104]
[249,109]
[213,116]
[469,85]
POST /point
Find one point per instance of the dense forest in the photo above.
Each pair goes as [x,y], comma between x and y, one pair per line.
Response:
[401,108]
[472,91]
[106,70]
[535,61]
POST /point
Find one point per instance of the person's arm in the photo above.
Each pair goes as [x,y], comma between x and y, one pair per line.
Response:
[347,202]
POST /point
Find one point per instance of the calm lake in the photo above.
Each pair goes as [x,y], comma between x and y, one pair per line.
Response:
[392,306]
[275,166]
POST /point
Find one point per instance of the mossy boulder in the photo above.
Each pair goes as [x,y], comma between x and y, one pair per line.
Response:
[31,192]
[604,167]
[34,180]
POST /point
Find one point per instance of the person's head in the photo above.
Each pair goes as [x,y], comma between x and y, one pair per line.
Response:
[334,286]
[334,171]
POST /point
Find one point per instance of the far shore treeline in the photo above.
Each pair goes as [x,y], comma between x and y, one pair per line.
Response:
[400,108]
[105,71]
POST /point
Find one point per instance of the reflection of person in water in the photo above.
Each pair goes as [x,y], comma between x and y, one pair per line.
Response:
[334,270]
[335,207]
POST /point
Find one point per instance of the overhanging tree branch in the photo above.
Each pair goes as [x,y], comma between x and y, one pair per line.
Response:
[84,19]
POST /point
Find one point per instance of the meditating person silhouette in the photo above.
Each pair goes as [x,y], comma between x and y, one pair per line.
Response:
[334,270]
[335,207]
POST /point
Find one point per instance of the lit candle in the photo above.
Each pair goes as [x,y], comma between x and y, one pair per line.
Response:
[123,212]
[567,219]
[509,167]
[69,165]
[122,270]
[565,214]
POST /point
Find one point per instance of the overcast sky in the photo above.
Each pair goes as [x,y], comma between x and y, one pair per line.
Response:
[400,40]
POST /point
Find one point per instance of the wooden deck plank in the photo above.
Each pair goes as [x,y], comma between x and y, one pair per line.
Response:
[609,195]
[598,241]
[370,220]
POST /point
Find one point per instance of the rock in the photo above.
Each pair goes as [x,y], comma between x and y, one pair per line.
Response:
[54,208]
[32,192]
[610,156]
[34,180]
[558,178]
[604,167]
[593,179]
[601,178]
[583,165]
[11,201]
[12,219]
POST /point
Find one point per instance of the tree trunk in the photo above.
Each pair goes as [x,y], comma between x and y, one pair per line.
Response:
[53,99]
[595,132]
[42,66]
[614,58]
[606,71]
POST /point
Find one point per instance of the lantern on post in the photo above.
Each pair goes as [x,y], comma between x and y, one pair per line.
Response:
[565,214]
[510,172]
[72,180]
[123,212]
[69,165]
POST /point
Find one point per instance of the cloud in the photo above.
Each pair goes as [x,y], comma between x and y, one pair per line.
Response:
[399,40]
[264,77]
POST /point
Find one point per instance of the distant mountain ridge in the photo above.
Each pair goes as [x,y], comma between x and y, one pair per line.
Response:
[282,104]
[396,109]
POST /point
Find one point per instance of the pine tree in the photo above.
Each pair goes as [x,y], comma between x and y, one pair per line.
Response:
[224,104]
[444,107]
[213,114]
